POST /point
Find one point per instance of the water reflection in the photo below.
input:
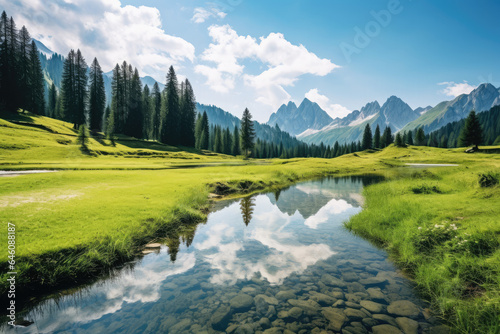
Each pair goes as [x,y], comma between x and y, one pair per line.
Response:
[259,257]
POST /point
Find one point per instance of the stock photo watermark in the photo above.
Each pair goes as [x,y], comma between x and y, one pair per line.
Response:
[363,36]
[11,293]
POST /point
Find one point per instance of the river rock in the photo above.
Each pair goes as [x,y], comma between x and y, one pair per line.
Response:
[335,317]
[376,294]
[352,305]
[309,305]
[385,329]
[372,306]
[384,318]
[274,330]
[242,302]
[337,294]
[354,314]
[283,314]
[373,281]
[350,276]
[404,308]
[332,281]
[322,299]
[220,318]
[408,325]
[295,312]
[339,303]
[369,322]
[264,323]
[285,295]
[267,299]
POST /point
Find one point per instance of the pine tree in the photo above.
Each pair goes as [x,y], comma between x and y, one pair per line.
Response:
[420,137]
[228,142]
[97,96]
[387,138]
[83,138]
[246,205]
[399,141]
[156,112]
[376,138]
[410,137]
[134,118]
[472,133]
[187,115]
[9,81]
[197,131]
[115,117]
[52,101]
[68,90]
[247,132]
[171,113]
[236,141]
[36,82]
[205,132]
[147,111]
[81,82]
[367,138]
[24,92]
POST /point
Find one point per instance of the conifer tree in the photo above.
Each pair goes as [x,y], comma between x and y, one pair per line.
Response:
[81,82]
[472,133]
[399,141]
[420,137]
[134,117]
[156,112]
[376,138]
[52,101]
[187,115]
[410,137]
[115,117]
[247,133]
[205,132]
[197,131]
[24,92]
[68,87]
[97,96]
[236,141]
[367,138]
[36,82]
[9,89]
[147,111]
[170,111]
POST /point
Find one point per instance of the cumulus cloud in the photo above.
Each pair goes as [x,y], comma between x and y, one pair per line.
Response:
[201,14]
[103,29]
[284,63]
[334,110]
[455,89]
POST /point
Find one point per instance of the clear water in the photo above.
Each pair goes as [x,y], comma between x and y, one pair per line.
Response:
[275,263]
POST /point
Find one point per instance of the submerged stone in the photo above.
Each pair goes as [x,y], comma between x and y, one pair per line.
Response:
[335,317]
[372,306]
[403,308]
[385,329]
[241,302]
[332,281]
[408,325]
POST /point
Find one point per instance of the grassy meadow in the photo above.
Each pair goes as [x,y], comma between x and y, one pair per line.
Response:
[439,224]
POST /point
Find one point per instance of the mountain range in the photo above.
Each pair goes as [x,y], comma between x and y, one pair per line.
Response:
[394,113]
[309,123]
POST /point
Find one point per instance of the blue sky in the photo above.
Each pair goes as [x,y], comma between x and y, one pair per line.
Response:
[335,52]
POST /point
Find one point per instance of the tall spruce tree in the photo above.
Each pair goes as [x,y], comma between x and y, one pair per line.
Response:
[9,89]
[236,142]
[134,117]
[247,133]
[205,132]
[147,110]
[169,133]
[410,137]
[97,97]
[376,137]
[156,112]
[36,82]
[52,101]
[74,88]
[187,115]
[367,138]
[24,92]
[472,133]
[68,87]
[420,137]
[197,131]
[115,117]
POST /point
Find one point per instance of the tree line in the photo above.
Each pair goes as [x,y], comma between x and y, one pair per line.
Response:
[21,75]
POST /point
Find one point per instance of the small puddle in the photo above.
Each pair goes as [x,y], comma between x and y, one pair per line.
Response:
[6,173]
[274,263]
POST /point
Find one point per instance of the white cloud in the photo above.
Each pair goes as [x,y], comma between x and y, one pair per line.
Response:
[284,61]
[104,29]
[202,14]
[455,89]
[334,110]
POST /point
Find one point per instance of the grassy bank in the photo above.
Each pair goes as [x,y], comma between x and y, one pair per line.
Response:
[442,226]
[101,208]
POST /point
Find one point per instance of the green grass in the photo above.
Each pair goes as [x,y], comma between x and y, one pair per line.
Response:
[443,228]
[100,209]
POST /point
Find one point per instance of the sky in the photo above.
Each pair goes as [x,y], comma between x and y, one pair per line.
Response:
[258,54]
